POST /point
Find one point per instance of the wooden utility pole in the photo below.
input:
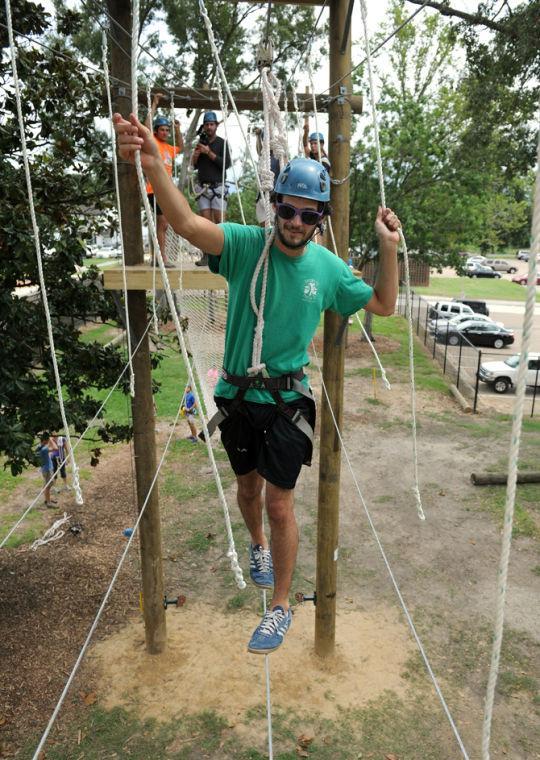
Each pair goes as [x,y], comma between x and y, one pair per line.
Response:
[333,361]
[142,405]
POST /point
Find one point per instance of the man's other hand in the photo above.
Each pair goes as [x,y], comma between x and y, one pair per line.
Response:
[134,137]
[387,225]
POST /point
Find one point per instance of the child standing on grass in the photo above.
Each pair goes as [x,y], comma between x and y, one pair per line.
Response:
[190,410]
[46,467]
[58,452]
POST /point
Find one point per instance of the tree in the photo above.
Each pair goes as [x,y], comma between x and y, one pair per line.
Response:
[71,176]
[449,194]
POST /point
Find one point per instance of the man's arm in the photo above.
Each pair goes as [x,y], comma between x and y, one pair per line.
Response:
[383,300]
[305,135]
[134,137]
[178,137]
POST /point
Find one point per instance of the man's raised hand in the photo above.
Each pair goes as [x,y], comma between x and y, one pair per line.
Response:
[134,137]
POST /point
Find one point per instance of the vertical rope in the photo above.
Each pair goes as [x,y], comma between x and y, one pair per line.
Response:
[416,487]
[155,320]
[37,243]
[105,57]
[231,552]
[513,457]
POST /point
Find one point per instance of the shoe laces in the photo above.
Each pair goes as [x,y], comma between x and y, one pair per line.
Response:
[262,558]
[270,622]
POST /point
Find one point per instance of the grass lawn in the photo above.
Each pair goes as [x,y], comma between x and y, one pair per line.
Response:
[467,287]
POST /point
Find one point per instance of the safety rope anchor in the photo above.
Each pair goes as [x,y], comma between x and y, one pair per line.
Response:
[301,597]
[265,55]
[178,601]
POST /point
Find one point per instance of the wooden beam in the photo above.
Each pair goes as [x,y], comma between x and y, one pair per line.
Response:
[141,277]
[246,100]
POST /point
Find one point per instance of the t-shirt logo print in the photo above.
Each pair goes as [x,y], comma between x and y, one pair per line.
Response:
[311,288]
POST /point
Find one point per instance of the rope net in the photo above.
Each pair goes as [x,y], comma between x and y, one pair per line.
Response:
[203,315]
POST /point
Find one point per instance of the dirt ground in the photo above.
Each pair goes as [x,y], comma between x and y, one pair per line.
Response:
[446,569]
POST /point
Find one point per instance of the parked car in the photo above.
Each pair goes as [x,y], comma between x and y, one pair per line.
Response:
[481,270]
[501,265]
[448,310]
[479,307]
[476,260]
[502,375]
[522,255]
[521,279]
[479,334]
[436,325]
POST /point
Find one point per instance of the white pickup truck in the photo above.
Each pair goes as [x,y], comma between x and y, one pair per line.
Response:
[502,375]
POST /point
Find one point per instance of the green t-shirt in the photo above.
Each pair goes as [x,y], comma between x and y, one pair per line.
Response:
[298,290]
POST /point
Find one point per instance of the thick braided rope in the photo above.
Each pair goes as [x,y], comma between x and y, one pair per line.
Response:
[513,456]
[231,553]
[416,487]
[105,57]
[37,243]
[51,534]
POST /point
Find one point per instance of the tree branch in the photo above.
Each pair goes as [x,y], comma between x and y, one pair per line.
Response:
[471,18]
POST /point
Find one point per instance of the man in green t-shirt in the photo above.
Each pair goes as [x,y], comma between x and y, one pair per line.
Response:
[266,410]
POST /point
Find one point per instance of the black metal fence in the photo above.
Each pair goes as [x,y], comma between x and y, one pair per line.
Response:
[460,362]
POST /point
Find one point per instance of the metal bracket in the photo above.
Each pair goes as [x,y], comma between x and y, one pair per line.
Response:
[179,601]
[265,54]
[342,95]
[301,598]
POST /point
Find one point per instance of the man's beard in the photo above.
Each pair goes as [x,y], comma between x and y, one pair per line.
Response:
[293,246]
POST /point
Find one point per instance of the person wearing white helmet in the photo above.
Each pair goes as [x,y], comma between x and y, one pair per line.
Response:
[266,413]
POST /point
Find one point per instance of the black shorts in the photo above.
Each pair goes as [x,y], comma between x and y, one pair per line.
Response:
[159,212]
[258,437]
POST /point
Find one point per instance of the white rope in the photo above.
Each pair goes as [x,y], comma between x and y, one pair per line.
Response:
[513,457]
[119,207]
[366,336]
[52,534]
[68,455]
[389,569]
[299,123]
[231,553]
[154,211]
[103,604]
[416,487]
[35,228]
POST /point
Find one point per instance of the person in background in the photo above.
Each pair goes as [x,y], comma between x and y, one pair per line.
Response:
[189,409]
[162,131]
[311,146]
[210,157]
[58,448]
[46,467]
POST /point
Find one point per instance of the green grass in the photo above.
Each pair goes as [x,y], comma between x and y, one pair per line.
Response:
[493,500]
[396,363]
[100,334]
[32,527]
[458,287]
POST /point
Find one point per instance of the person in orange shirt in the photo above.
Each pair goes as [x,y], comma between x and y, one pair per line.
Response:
[162,130]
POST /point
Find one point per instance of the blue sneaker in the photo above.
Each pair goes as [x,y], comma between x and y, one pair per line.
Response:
[270,632]
[261,570]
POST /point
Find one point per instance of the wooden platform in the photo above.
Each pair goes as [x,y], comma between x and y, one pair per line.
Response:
[141,277]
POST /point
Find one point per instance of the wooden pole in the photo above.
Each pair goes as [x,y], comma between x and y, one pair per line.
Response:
[142,405]
[333,359]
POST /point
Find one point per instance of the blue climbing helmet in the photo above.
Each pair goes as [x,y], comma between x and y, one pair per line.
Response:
[304,178]
[161,121]
[316,137]
[209,116]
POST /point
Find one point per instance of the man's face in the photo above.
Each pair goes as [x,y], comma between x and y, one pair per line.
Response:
[210,128]
[314,146]
[293,233]
[162,133]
